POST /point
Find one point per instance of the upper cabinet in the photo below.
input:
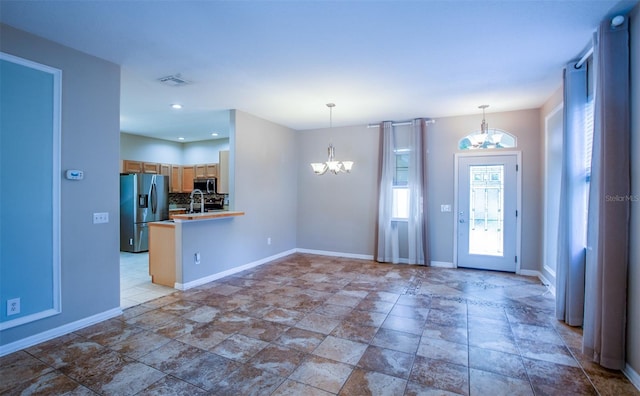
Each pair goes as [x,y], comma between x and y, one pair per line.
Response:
[211,170]
[188,174]
[165,169]
[176,179]
[206,171]
[181,176]
[148,167]
[129,166]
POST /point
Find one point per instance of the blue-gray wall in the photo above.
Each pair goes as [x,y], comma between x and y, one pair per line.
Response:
[28,107]
[90,142]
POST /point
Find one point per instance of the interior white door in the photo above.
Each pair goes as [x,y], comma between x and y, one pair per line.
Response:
[487,212]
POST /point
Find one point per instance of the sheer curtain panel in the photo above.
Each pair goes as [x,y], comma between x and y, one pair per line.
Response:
[388,250]
[389,242]
[572,235]
[608,227]
[417,183]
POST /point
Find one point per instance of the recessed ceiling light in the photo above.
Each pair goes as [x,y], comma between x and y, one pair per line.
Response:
[181,138]
[214,134]
[176,106]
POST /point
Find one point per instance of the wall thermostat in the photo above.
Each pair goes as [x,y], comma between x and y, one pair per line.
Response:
[74,174]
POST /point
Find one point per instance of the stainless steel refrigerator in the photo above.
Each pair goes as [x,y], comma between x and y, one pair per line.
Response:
[143,198]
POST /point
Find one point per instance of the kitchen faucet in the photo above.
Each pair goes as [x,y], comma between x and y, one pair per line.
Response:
[201,201]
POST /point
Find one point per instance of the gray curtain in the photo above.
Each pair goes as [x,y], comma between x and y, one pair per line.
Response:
[387,243]
[608,227]
[572,233]
[418,226]
[388,240]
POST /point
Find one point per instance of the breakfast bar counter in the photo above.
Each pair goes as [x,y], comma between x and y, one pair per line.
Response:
[168,254]
[206,215]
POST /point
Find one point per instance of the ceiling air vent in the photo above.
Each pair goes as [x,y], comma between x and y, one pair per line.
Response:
[174,80]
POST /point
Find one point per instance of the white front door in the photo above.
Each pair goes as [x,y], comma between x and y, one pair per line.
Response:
[487,195]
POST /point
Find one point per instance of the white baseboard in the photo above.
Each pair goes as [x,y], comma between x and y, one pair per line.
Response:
[550,285]
[219,275]
[58,331]
[335,254]
[442,264]
[633,376]
[526,272]
[538,274]
[438,264]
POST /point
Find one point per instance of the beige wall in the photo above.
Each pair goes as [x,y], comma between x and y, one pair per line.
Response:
[263,155]
[443,142]
[633,309]
[338,213]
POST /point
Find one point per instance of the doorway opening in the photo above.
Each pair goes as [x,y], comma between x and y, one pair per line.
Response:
[135,282]
[487,225]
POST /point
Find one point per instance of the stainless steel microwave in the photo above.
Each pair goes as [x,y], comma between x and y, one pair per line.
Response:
[207,186]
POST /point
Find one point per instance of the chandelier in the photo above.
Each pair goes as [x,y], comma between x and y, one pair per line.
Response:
[484,126]
[333,166]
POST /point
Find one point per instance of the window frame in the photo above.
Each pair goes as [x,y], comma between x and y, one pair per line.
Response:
[399,185]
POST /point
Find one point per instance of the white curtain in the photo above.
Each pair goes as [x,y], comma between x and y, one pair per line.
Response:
[388,240]
[609,207]
[570,265]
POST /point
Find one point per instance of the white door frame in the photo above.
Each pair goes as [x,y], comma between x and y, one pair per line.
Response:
[489,153]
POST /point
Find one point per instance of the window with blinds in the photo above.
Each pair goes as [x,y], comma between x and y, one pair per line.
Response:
[588,135]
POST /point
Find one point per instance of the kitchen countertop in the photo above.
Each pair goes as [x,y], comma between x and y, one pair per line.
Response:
[180,218]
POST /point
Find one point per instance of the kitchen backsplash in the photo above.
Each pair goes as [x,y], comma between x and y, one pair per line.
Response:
[183,199]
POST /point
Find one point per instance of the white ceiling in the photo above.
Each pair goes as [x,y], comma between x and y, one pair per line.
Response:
[283,61]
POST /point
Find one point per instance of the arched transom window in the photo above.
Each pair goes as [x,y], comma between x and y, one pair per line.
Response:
[494,138]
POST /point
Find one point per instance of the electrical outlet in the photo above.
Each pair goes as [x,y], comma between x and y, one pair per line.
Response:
[13,306]
[100,218]
[269,241]
[196,258]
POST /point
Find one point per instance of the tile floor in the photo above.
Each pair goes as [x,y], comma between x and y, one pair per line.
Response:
[315,325]
[135,281]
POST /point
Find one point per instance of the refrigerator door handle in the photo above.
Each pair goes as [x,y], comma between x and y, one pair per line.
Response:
[154,198]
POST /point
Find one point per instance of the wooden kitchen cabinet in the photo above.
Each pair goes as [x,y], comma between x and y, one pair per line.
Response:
[188,174]
[180,176]
[173,212]
[223,173]
[150,167]
[165,170]
[206,171]
[211,170]
[200,171]
[162,253]
[176,179]
[129,166]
